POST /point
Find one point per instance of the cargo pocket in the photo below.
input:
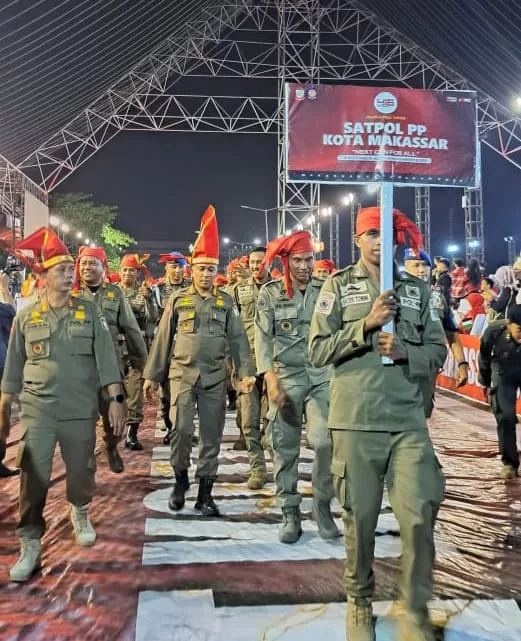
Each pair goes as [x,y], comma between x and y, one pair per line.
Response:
[338,472]
[82,339]
[218,322]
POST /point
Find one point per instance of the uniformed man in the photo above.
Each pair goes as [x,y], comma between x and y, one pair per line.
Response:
[500,374]
[59,353]
[323,268]
[142,303]
[246,294]
[174,280]
[91,283]
[419,264]
[198,324]
[377,420]
[294,386]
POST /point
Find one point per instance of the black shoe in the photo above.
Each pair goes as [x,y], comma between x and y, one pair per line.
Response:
[5,472]
[195,439]
[182,484]
[115,461]
[167,437]
[240,445]
[205,502]
[131,442]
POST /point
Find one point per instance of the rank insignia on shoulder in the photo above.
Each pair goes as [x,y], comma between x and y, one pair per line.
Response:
[110,294]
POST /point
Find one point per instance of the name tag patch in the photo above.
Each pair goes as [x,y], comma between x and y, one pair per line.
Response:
[410,302]
[355,299]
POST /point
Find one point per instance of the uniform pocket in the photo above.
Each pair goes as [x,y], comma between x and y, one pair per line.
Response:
[82,338]
[186,323]
[218,322]
[38,342]
[338,472]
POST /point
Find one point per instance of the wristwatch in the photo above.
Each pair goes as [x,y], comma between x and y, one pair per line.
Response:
[117,399]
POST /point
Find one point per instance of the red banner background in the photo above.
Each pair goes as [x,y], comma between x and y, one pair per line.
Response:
[446,379]
[321,149]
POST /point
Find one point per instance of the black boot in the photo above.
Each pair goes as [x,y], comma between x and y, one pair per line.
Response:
[115,461]
[167,437]
[5,472]
[205,501]
[182,484]
[131,442]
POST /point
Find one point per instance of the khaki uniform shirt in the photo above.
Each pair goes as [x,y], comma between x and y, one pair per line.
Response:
[58,359]
[199,330]
[122,323]
[246,295]
[365,394]
[282,327]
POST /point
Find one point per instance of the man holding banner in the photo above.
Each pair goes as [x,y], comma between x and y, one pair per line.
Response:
[377,422]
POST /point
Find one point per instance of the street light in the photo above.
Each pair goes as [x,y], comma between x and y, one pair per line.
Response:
[257,241]
[54,221]
[226,240]
[87,241]
[266,211]
[65,228]
[79,234]
[452,249]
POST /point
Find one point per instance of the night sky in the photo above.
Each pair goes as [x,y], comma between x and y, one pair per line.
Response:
[162,182]
[57,58]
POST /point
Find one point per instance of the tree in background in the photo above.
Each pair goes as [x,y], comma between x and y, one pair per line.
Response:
[94,222]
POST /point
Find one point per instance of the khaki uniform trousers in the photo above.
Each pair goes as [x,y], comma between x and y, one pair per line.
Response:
[286,437]
[250,415]
[77,439]
[134,388]
[362,460]
[211,405]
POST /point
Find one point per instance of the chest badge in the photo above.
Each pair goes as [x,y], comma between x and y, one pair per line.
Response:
[219,302]
[285,326]
[110,294]
[37,349]
[80,313]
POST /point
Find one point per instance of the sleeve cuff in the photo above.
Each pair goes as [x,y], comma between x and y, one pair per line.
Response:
[9,387]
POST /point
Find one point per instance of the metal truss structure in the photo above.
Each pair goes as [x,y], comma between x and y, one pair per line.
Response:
[422,210]
[262,44]
[474,238]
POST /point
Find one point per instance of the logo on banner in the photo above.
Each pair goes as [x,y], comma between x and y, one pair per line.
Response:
[300,94]
[311,93]
[386,103]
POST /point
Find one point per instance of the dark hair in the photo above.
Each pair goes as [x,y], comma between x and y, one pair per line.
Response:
[445,261]
[488,280]
[474,272]
[459,262]
[258,249]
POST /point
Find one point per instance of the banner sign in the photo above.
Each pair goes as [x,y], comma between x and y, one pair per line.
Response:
[447,377]
[350,134]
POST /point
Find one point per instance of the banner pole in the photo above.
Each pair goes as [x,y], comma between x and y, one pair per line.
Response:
[386,250]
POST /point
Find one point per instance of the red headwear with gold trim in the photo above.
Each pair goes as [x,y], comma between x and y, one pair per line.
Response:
[42,250]
[206,247]
[369,218]
[232,266]
[134,261]
[298,243]
[326,264]
[93,252]
[244,261]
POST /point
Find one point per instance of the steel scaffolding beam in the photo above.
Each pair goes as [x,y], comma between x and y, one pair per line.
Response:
[422,212]
[474,238]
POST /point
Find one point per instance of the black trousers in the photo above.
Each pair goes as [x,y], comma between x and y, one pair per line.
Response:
[504,392]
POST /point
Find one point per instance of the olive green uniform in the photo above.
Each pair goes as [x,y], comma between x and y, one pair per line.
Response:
[58,359]
[122,325]
[252,404]
[281,337]
[190,348]
[377,423]
[163,293]
[146,316]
